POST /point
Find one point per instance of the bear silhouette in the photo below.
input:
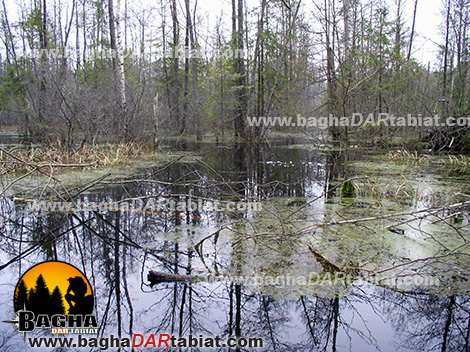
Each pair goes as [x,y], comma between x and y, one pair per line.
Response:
[75,296]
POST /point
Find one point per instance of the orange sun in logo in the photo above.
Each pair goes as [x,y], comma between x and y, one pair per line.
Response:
[54,283]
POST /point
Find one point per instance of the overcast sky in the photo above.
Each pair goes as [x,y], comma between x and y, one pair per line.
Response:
[428,20]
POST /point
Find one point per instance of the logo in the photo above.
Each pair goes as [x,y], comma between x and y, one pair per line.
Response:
[55,296]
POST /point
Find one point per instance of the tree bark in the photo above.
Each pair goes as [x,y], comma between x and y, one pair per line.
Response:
[175,108]
[194,72]
[446,53]
[122,75]
[332,91]
[185,115]
[412,32]
[241,107]
[112,37]
[156,110]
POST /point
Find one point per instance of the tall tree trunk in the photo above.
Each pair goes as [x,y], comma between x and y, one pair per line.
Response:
[347,68]
[234,24]
[258,68]
[332,96]
[43,36]
[43,68]
[444,100]
[175,101]
[84,34]
[156,109]
[185,114]
[412,31]
[122,75]
[44,60]
[346,37]
[398,40]
[242,105]
[194,73]
[168,80]
[446,52]
[77,35]
[112,37]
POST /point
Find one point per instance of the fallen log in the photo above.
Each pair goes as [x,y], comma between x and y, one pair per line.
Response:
[157,277]
[325,263]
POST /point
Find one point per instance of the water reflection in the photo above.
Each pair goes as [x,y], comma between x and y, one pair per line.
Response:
[116,250]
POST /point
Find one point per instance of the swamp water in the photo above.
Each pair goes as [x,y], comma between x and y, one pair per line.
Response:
[297,269]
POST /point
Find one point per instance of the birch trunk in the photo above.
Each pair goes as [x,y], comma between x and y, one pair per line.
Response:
[122,74]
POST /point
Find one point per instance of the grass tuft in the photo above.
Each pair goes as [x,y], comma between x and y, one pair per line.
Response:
[406,157]
[459,164]
[55,157]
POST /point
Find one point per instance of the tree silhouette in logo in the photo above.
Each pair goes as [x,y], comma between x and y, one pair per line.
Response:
[79,302]
[39,300]
[57,302]
[21,296]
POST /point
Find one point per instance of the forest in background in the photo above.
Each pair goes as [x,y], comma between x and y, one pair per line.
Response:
[78,72]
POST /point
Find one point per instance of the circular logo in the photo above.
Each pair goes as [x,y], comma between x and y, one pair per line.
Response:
[54,288]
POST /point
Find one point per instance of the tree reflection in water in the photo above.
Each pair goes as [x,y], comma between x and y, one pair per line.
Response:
[116,249]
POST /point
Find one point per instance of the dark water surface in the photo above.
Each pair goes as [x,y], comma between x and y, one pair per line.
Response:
[297,188]
[9,137]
